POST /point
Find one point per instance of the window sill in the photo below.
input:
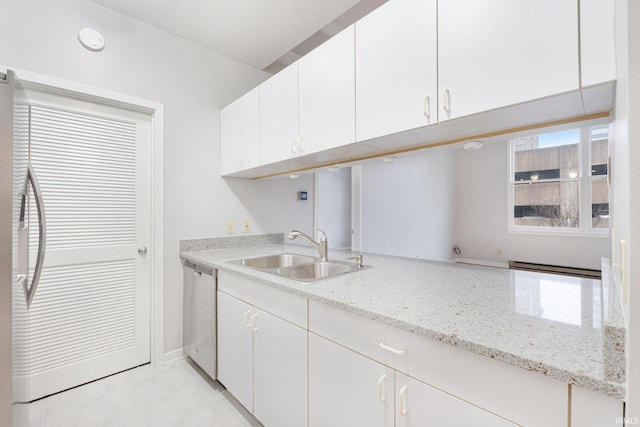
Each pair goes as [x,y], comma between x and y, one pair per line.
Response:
[532,231]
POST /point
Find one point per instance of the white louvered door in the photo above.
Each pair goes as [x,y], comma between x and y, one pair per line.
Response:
[91,314]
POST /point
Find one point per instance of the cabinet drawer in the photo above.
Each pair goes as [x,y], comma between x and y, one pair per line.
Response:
[508,391]
[288,306]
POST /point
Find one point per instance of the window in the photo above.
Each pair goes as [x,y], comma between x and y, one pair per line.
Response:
[558,181]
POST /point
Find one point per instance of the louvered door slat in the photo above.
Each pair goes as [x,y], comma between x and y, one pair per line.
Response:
[72,177]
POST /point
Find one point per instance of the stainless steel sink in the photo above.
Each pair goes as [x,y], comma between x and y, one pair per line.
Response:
[275,261]
[301,268]
[316,270]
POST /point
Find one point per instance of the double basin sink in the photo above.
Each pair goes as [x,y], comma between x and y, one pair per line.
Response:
[301,268]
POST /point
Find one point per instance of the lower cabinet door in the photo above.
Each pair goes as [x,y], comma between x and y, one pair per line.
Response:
[418,405]
[235,348]
[347,389]
[280,371]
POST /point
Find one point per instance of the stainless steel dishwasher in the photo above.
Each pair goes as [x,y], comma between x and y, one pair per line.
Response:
[199,322]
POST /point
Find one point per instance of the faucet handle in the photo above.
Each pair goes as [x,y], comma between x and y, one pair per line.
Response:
[324,235]
[358,259]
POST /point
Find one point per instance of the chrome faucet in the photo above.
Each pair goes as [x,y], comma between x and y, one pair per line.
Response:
[320,246]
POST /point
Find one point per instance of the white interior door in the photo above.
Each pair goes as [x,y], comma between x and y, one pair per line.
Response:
[90,316]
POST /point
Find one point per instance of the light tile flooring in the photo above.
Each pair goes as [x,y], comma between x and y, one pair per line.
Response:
[177,394]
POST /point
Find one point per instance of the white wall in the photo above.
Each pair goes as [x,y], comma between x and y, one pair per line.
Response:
[193,82]
[626,180]
[481,218]
[333,206]
[407,206]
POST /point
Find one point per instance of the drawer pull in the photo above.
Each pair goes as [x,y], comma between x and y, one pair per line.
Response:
[381,394]
[391,349]
[403,404]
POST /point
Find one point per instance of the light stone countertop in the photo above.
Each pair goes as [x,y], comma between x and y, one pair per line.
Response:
[550,324]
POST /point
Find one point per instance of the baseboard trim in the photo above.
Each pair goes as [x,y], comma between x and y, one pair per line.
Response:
[556,269]
[173,356]
[482,262]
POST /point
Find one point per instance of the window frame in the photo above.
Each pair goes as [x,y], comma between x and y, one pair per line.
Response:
[584,180]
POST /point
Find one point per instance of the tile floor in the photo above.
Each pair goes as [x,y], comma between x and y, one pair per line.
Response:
[178,394]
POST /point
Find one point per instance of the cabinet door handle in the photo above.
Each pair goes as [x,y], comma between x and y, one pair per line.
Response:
[403,403]
[381,394]
[247,322]
[300,144]
[427,107]
[391,349]
[253,322]
[294,148]
[447,101]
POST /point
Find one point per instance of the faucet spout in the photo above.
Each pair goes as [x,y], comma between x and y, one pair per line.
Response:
[320,246]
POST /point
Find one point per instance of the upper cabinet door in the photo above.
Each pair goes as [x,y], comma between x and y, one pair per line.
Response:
[327,94]
[279,116]
[250,106]
[230,137]
[494,53]
[597,44]
[396,68]
[240,134]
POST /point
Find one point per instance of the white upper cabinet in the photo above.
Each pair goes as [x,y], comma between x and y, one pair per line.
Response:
[279,116]
[396,68]
[495,53]
[240,134]
[230,129]
[327,94]
[597,41]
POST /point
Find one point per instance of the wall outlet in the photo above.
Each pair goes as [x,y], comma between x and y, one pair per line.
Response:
[230,227]
[246,227]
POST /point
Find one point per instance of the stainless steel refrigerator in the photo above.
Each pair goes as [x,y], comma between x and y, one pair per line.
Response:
[18,282]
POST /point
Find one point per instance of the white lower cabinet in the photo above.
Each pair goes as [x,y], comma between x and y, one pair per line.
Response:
[458,376]
[279,372]
[363,392]
[591,409]
[419,404]
[262,361]
[347,389]
[235,348]
[295,362]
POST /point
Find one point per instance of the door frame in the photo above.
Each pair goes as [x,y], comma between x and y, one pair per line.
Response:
[155,110]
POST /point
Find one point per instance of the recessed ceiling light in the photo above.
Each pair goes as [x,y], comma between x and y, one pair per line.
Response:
[472,145]
[334,169]
[294,176]
[388,160]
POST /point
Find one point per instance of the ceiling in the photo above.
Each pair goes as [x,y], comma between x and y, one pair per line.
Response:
[267,34]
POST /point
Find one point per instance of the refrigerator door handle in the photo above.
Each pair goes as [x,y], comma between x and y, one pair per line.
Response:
[30,291]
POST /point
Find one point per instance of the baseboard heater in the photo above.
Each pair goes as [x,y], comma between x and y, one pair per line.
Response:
[555,269]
